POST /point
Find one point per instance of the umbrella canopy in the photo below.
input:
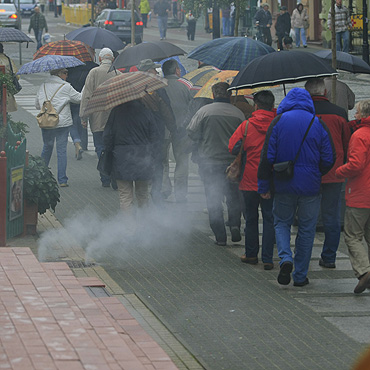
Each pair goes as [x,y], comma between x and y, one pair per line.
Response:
[154,50]
[281,67]
[13,35]
[230,52]
[73,48]
[121,89]
[223,76]
[97,38]
[200,76]
[345,61]
[49,63]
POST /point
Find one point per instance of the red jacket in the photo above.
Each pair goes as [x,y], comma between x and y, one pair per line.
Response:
[256,134]
[357,168]
[335,118]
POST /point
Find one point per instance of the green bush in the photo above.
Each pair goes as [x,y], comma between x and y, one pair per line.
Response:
[40,185]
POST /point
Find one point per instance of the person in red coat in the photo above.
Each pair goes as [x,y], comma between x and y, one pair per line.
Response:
[336,120]
[256,134]
[357,216]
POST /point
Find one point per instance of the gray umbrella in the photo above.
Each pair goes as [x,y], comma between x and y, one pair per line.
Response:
[13,35]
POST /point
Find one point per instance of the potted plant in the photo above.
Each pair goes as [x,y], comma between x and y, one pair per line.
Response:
[41,191]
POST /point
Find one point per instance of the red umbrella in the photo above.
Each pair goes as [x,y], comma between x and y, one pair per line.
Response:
[73,48]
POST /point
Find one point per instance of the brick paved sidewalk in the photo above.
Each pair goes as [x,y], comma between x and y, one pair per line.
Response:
[49,321]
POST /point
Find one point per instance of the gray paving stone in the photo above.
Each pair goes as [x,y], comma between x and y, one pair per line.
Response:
[356,327]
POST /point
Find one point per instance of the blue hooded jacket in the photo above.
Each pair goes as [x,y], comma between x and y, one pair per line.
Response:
[282,143]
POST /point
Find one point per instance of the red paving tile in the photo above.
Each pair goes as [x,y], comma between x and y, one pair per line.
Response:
[48,321]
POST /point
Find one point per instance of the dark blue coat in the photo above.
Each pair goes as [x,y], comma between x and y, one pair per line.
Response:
[283,139]
[131,133]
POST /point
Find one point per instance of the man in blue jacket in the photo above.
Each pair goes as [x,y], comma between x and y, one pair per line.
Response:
[301,194]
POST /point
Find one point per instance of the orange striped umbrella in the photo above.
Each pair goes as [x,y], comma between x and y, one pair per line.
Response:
[73,48]
[122,89]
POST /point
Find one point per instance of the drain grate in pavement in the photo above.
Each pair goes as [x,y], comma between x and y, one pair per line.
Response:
[77,264]
[98,292]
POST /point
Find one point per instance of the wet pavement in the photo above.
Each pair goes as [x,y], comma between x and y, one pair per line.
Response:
[204,302]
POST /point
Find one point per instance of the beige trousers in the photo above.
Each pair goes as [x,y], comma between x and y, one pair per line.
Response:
[356,227]
[126,194]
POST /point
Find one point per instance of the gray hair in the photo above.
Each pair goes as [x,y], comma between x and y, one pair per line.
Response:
[363,108]
[315,86]
[219,90]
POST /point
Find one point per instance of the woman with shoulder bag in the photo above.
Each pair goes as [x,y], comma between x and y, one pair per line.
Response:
[61,93]
[299,24]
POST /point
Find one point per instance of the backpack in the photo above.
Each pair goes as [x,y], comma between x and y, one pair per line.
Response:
[48,116]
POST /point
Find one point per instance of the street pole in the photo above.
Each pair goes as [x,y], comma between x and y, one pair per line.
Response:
[133,22]
[365,36]
[333,53]
[350,8]
[92,12]
[216,20]
[20,27]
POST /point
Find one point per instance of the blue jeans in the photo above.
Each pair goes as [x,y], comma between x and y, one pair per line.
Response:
[216,188]
[38,36]
[99,147]
[300,33]
[226,26]
[78,133]
[252,201]
[162,25]
[330,214]
[60,135]
[284,210]
[342,38]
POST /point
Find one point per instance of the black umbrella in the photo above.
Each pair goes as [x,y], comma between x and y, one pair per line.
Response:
[281,68]
[345,61]
[97,38]
[154,50]
[13,35]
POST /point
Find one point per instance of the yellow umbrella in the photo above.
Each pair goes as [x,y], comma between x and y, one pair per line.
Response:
[200,76]
[226,76]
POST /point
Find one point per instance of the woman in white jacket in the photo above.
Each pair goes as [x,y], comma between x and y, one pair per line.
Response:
[299,19]
[64,94]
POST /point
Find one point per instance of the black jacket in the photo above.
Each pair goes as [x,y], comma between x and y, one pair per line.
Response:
[283,25]
[131,133]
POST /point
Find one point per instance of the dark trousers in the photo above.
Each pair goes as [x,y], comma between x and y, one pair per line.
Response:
[216,188]
[78,132]
[144,18]
[252,200]
[99,147]
[191,29]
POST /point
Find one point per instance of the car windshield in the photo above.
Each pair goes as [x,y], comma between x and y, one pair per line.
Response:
[26,2]
[121,16]
[7,7]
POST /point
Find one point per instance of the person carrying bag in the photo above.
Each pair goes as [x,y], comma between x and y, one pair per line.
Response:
[48,116]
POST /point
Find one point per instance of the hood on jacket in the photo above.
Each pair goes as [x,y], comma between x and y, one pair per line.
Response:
[364,122]
[297,99]
[261,119]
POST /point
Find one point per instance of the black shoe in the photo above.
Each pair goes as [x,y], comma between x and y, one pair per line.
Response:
[284,274]
[268,266]
[235,234]
[363,284]
[303,283]
[328,265]
[222,244]
[249,260]
[114,184]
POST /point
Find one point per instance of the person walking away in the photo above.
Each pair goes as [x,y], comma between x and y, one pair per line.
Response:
[232,19]
[180,98]
[225,21]
[357,215]
[345,97]
[131,134]
[282,27]
[161,9]
[263,19]
[336,120]
[299,18]
[211,128]
[42,5]
[342,26]
[192,22]
[10,70]
[295,130]
[144,8]
[159,103]
[97,120]
[77,77]
[61,94]
[258,124]
[38,24]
